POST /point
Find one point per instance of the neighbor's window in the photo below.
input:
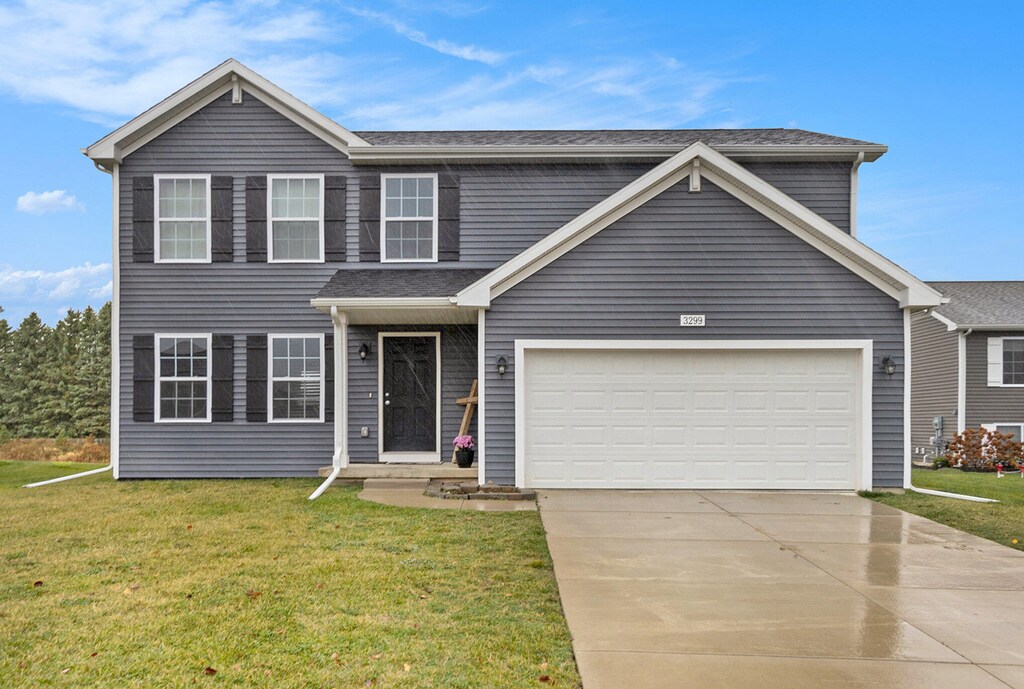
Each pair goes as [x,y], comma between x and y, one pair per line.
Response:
[1012,430]
[296,373]
[296,219]
[183,377]
[182,219]
[409,218]
[1013,361]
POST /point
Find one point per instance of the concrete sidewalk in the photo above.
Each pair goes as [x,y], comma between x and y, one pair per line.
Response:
[674,589]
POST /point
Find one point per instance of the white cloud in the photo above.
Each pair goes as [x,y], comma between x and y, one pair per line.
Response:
[47,202]
[61,285]
[443,46]
[104,292]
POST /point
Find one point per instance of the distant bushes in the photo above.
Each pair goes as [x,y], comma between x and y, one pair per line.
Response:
[980,449]
[55,450]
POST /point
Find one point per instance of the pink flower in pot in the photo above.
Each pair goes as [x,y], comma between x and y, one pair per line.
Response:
[464,450]
[464,442]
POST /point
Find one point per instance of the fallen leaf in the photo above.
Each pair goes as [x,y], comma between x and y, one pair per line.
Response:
[22,665]
[253,594]
[423,596]
[65,671]
[543,666]
[319,586]
[544,678]
[336,657]
[93,654]
[188,528]
[189,596]
[209,671]
[266,673]
[38,584]
[377,656]
[407,667]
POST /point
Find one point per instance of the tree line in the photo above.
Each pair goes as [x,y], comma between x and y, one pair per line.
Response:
[55,381]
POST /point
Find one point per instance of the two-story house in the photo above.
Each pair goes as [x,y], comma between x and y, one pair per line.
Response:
[642,309]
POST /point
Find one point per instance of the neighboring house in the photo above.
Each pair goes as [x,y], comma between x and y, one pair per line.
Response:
[968,358]
[680,308]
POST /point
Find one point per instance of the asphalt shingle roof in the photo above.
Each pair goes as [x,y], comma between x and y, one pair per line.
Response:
[611,137]
[983,303]
[399,282]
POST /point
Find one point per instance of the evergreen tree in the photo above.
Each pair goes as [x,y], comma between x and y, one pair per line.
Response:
[32,390]
[6,424]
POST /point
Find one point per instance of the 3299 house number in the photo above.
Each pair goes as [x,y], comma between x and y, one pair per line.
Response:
[692,320]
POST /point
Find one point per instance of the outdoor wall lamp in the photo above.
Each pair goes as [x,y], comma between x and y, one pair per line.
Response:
[502,365]
[888,365]
[364,351]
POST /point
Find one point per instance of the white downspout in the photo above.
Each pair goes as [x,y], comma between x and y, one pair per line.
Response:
[67,478]
[853,194]
[340,458]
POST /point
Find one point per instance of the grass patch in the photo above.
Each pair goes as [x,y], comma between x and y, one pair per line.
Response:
[55,450]
[1001,522]
[148,583]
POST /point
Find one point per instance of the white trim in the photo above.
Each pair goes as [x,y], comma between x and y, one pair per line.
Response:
[908,454]
[866,347]
[407,456]
[157,219]
[115,328]
[271,377]
[270,217]
[961,381]
[950,325]
[215,83]
[157,378]
[384,217]
[481,376]
[1018,424]
[736,180]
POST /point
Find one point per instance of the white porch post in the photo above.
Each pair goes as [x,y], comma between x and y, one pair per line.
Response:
[340,320]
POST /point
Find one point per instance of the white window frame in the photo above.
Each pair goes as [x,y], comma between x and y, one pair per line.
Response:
[157,219]
[159,378]
[271,218]
[1002,359]
[271,378]
[384,217]
[995,426]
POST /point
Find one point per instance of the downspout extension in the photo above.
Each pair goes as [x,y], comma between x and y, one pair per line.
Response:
[68,478]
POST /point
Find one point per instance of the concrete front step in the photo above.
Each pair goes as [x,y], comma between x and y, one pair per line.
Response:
[418,471]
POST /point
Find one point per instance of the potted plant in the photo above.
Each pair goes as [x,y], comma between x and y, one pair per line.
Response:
[464,450]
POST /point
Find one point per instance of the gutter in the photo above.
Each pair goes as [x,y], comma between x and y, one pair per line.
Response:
[68,478]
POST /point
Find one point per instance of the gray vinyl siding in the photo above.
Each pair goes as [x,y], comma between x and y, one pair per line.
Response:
[822,187]
[989,404]
[458,370]
[695,253]
[934,352]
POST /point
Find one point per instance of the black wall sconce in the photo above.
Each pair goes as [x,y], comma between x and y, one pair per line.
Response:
[364,351]
[888,365]
[502,366]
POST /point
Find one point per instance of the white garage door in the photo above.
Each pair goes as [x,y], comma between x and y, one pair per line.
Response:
[691,419]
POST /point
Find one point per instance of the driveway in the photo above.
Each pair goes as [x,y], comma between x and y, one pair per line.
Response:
[744,589]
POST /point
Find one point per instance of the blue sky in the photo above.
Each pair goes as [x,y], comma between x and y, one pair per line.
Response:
[939,83]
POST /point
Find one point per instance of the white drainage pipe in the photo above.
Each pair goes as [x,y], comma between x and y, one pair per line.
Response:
[67,478]
[955,496]
[323,486]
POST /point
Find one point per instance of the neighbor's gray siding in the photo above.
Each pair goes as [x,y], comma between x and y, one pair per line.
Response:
[985,404]
[934,353]
[458,370]
[695,253]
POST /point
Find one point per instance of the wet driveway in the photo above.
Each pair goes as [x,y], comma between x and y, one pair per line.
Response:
[743,589]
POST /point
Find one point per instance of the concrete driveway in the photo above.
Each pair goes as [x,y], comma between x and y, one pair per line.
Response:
[729,589]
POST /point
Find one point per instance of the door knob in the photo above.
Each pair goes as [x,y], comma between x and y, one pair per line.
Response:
[387,402]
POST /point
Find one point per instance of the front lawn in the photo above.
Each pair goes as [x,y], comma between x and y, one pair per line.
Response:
[247,583]
[1001,522]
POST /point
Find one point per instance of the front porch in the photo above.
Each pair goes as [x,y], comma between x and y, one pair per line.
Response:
[444,470]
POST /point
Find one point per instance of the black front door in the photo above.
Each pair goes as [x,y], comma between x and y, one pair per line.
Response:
[410,394]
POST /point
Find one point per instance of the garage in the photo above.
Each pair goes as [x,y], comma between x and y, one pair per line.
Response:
[605,414]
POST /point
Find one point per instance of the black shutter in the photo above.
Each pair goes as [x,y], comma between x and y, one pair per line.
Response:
[256,378]
[256,219]
[142,378]
[142,220]
[221,215]
[369,217]
[448,201]
[334,218]
[328,378]
[223,377]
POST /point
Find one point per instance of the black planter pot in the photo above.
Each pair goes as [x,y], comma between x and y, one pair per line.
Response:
[464,458]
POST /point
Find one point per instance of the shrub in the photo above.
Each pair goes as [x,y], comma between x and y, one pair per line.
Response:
[56,450]
[979,449]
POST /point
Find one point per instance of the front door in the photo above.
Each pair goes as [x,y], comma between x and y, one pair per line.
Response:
[409,394]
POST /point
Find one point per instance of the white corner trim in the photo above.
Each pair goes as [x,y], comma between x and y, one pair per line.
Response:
[908,457]
[115,328]
[739,182]
[866,348]
[961,381]
[271,378]
[399,457]
[481,374]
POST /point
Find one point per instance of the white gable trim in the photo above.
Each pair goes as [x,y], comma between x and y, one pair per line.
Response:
[738,181]
[230,76]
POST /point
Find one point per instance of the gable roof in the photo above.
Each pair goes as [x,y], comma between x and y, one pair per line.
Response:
[700,160]
[981,304]
[229,76]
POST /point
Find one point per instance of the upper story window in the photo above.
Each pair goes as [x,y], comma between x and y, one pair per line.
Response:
[296,218]
[296,377]
[182,219]
[183,377]
[1013,361]
[409,218]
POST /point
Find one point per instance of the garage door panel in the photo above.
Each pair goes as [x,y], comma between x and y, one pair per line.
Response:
[686,418]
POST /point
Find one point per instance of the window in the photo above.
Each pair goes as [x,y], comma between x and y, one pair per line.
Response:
[182,219]
[296,377]
[1013,361]
[1010,429]
[409,216]
[183,377]
[296,219]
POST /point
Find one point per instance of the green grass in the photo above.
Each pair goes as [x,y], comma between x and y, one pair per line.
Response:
[148,583]
[1002,522]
